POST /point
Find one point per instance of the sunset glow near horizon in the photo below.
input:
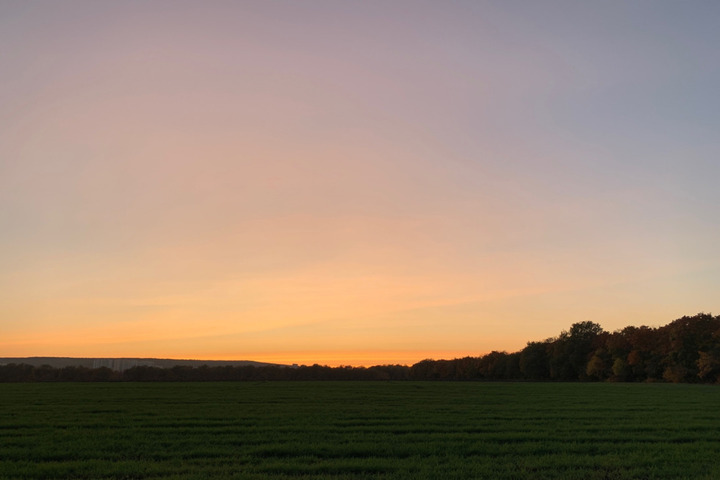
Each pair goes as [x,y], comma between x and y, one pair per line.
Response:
[352,183]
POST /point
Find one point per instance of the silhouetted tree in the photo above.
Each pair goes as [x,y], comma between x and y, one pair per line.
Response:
[686,337]
[599,366]
[533,361]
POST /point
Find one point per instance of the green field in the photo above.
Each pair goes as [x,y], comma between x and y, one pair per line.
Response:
[359,430]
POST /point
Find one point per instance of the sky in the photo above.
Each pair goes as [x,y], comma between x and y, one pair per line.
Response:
[352,183]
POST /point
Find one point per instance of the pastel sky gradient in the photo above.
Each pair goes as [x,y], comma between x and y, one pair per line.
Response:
[352,182]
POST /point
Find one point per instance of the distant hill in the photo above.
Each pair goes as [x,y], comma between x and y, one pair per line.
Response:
[121,364]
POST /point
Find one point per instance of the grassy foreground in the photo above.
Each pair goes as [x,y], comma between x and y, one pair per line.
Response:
[359,430]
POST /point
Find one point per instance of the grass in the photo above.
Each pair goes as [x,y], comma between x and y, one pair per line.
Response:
[359,430]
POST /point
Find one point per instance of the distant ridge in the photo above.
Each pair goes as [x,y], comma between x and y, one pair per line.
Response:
[120,364]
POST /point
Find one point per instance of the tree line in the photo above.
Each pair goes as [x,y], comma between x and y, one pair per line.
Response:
[685,350]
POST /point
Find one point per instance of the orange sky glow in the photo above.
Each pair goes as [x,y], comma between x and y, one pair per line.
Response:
[351,183]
